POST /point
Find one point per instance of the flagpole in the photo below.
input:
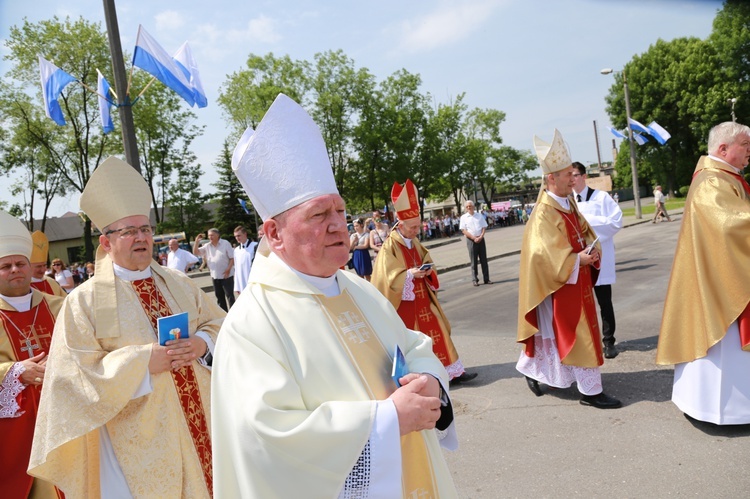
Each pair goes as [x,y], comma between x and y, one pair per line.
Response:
[120,80]
[153,79]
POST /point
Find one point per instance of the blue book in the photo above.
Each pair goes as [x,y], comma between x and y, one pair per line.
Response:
[400,369]
[172,327]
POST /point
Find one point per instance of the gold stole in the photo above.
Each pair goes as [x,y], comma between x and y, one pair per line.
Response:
[373,362]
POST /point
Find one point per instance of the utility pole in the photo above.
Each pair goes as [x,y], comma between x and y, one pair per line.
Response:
[121,85]
[598,153]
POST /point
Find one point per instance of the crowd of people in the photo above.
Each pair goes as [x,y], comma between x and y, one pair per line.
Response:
[318,382]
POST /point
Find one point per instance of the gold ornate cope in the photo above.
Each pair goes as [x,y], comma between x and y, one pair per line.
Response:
[547,262]
[710,282]
[389,276]
[368,353]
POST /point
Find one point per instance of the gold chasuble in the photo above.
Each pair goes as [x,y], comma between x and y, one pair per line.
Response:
[295,381]
[424,314]
[23,335]
[552,239]
[99,356]
[708,289]
[49,286]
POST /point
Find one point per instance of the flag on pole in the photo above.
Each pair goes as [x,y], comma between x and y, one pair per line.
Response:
[102,88]
[185,61]
[54,80]
[616,133]
[640,139]
[638,127]
[153,59]
[657,132]
[243,203]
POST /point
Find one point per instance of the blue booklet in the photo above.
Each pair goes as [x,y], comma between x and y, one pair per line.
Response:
[400,368]
[172,327]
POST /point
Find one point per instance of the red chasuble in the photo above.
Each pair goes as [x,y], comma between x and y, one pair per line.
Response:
[29,334]
[185,382]
[43,286]
[570,299]
[418,315]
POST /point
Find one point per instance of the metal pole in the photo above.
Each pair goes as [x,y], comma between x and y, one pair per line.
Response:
[633,167]
[123,105]
[598,153]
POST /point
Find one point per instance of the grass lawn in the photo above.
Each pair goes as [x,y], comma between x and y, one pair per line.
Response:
[672,204]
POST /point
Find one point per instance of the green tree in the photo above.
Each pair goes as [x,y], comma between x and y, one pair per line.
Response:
[186,203]
[229,191]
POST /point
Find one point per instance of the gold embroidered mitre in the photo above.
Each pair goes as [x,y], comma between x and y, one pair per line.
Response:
[115,191]
[405,200]
[553,156]
[14,236]
[40,247]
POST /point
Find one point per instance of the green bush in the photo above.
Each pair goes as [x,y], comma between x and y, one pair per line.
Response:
[683,191]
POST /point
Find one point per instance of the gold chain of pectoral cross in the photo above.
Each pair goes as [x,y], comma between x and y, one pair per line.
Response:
[27,337]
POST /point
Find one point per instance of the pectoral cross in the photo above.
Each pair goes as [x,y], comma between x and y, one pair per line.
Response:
[30,347]
[353,327]
[581,240]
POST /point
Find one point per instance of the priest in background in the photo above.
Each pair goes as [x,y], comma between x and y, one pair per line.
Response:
[27,318]
[411,289]
[121,415]
[557,320]
[303,400]
[705,329]
[39,278]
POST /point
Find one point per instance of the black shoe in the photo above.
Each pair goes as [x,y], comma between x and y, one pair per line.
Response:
[476,284]
[488,282]
[601,401]
[534,386]
[610,352]
[466,376]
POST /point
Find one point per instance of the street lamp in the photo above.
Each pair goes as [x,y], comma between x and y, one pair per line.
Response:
[733,101]
[633,167]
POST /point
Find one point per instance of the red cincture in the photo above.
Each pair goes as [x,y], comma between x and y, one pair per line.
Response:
[185,381]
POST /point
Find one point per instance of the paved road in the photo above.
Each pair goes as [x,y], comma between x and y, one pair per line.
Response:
[514,444]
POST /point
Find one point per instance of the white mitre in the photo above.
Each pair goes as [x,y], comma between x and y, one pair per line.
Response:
[284,162]
[554,156]
[14,237]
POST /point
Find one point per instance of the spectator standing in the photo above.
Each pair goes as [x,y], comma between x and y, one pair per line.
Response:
[378,235]
[218,254]
[359,243]
[605,217]
[244,253]
[705,328]
[178,258]
[62,275]
[473,226]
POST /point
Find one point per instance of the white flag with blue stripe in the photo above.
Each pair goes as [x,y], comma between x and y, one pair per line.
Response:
[657,132]
[640,139]
[54,80]
[151,57]
[616,133]
[185,61]
[102,88]
[638,127]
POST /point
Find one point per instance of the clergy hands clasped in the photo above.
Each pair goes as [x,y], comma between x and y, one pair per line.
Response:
[176,354]
[589,258]
[417,402]
[34,368]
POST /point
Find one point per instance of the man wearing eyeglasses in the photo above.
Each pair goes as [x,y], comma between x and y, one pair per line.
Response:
[131,416]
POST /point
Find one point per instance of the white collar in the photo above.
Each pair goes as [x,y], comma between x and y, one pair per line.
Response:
[34,279]
[407,241]
[563,201]
[329,286]
[20,303]
[722,161]
[131,275]
[582,193]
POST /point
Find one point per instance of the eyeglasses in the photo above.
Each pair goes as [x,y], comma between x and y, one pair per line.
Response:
[130,231]
[57,264]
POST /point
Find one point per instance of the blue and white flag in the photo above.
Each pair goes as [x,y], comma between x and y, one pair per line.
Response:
[638,127]
[616,133]
[657,132]
[150,57]
[102,88]
[640,139]
[243,203]
[54,80]
[185,61]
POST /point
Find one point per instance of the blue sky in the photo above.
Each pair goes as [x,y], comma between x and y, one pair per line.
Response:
[536,60]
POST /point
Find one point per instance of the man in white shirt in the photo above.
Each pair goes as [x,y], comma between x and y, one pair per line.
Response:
[244,253]
[219,256]
[604,216]
[473,225]
[660,209]
[178,258]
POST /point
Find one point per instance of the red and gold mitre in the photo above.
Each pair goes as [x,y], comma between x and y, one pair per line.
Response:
[405,200]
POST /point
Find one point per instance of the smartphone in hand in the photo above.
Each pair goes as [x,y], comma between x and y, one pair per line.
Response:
[426,266]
